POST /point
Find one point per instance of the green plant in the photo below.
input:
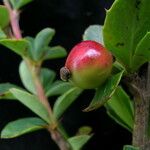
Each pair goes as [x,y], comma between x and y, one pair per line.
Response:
[40,83]
[126,35]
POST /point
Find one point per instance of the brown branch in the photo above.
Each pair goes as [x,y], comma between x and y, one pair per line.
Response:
[141,105]
[14,20]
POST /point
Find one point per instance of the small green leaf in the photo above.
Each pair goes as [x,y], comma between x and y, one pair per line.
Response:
[77,142]
[129,147]
[2,34]
[58,88]
[54,52]
[142,52]
[18,46]
[32,102]
[26,77]
[22,126]
[17,4]
[105,92]
[94,32]
[4,16]
[65,100]
[4,90]
[125,25]
[120,108]
[31,46]
[84,130]
[41,42]
[46,76]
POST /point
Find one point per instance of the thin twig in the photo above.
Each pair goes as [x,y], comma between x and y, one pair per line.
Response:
[35,71]
[14,20]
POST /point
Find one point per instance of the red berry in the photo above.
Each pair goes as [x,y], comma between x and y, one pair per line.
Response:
[88,65]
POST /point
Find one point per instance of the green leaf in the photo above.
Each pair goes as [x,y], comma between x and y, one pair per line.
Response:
[84,130]
[65,100]
[4,16]
[105,92]
[58,88]
[20,46]
[94,32]
[26,77]
[54,52]
[120,108]
[22,126]
[125,25]
[46,76]
[4,90]
[77,142]
[41,42]
[129,147]
[31,46]
[17,4]
[32,102]
[2,34]
[142,52]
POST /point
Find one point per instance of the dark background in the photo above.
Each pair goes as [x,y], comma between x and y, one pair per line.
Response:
[70,18]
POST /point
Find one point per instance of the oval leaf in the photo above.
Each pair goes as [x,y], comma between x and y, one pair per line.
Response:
[77,142]
[105,92]
[32,102]
[94,32]
[4,16]
[65,100]
[20,46]
[58,88]
[41,41]
[46,77]
[4,90]
[22,126]
[120,108]
[54,52]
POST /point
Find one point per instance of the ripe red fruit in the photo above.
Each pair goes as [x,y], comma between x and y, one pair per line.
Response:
[88,65]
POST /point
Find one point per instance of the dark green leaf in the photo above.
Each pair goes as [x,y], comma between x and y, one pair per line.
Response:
[142,52]
[65,100]
[18,46]
[125,25]
[120,108]
[58,88]
[77,142]
[54,52]
[105,92]
[17,4]
[4,16]
[94,32]
[41,42]
[32,102]
[129,147]
[22,126]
